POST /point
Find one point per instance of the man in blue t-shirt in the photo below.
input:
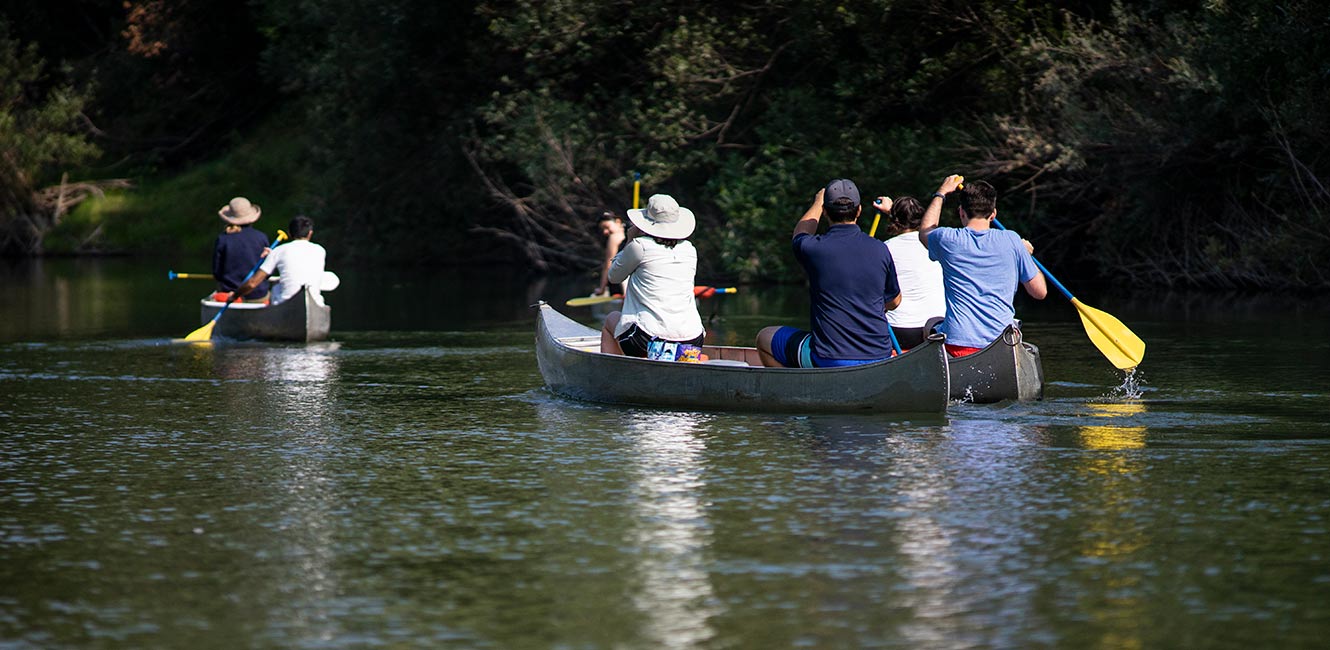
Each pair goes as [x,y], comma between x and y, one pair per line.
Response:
[851,285]
[981,267]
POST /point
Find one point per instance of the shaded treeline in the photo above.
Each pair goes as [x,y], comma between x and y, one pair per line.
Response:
[1166,142]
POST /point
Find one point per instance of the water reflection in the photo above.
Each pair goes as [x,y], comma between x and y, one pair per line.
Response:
[1114,434]
[965,500]
[1111,535]
[672,530]
[299,399]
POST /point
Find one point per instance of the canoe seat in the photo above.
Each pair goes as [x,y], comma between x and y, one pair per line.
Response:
[585,343]
[726,362]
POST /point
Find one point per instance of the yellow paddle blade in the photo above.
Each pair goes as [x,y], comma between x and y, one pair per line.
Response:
[203,333]
[591,300]
[1120,345]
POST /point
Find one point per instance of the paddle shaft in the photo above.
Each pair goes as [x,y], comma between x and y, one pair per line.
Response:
[172,275]
[276,240]
[1041,266]
[1118,343]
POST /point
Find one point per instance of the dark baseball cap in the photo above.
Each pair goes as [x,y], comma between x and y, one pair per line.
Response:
[841,188]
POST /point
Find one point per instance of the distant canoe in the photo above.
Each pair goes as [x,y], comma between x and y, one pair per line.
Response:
[1008,369]
[573,366]
[297,319]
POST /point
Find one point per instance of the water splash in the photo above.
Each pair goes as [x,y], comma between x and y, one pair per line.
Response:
[1132,381]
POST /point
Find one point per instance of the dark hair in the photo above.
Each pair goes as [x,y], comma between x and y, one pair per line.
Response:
[300,226]
[906,215]
[667,243]
[842,211]
[609,216]
[978,200]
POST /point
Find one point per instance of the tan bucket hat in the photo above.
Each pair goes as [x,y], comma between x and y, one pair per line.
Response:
[240,212]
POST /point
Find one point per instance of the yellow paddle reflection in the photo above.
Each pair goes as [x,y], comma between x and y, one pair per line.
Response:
[1110,434]
[1111,469]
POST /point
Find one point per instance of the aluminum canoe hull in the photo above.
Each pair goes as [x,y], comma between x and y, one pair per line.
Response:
[298,319]
[1008,369]
[573,366]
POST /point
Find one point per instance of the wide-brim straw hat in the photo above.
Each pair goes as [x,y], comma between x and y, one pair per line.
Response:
[240,212]
[664,218]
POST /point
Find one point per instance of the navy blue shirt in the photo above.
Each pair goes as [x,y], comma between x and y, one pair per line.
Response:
[234,255]
[850,279]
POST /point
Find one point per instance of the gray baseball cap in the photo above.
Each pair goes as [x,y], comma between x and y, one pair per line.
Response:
[841,188]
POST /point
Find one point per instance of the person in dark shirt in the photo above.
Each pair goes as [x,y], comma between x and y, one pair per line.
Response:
[238,250]
[851,286]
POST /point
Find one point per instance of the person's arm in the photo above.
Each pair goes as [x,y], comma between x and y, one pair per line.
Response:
[218,259]
[611,251]
[252,282]
[893,286]
[807,224]
[933,214]
[1036,286]
[626,261]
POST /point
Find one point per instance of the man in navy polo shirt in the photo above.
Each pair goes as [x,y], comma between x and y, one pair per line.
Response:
[851,285]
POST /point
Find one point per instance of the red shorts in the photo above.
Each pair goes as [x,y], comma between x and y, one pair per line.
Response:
[960,350]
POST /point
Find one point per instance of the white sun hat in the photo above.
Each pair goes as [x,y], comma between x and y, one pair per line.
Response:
[664,218]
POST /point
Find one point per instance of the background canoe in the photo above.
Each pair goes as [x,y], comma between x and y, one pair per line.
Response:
[573,366]
[1009,368]
[298,319]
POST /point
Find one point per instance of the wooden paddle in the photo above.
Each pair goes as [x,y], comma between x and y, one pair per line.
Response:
[1120,345]
[205,333]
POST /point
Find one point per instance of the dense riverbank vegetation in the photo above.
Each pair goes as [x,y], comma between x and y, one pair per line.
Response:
[1165,142]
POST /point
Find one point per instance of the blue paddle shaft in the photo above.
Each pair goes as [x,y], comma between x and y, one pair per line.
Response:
[249,275]
[1041,267]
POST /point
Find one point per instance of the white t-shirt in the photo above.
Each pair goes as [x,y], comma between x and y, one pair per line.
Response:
[299,263]
[658,294]
[920,279]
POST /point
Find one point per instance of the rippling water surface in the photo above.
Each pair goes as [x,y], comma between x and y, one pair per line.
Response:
[411,483]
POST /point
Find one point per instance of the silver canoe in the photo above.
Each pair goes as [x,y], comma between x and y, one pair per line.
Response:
[298,319]
[1009,368]
[573,366]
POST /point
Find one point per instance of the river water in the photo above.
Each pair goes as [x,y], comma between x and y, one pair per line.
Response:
[412,484]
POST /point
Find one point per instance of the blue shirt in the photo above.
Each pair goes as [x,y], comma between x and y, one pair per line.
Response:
[850,279]
[980,272]
[234,256]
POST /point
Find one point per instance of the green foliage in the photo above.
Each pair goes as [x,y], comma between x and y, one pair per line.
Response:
[1185,144]
[1158,142]
[177,216]
[40,136]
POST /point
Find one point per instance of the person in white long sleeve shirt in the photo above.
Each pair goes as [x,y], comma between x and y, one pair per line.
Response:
[657,267]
